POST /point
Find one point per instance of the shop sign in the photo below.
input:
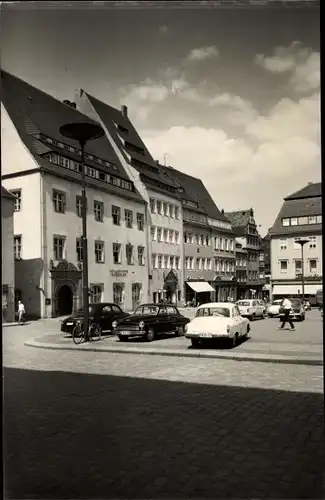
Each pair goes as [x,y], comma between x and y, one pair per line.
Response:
[118,274]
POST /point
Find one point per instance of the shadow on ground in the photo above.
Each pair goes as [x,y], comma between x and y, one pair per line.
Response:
[70,435]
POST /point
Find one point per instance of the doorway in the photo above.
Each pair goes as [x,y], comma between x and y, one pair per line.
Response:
[64,301]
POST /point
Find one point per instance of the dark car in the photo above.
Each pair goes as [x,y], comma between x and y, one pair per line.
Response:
[151,320]
[103,313]
[297,312]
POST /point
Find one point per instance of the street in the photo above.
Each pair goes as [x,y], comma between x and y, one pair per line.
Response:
[105,425]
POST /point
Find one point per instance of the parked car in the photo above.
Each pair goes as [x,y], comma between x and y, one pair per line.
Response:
[103,313]
[297,312]
[217,320]
[252,308]
[274,309]
[151,320]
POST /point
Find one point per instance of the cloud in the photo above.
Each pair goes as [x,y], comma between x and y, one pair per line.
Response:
[279,154]
[300,62]
[201,54]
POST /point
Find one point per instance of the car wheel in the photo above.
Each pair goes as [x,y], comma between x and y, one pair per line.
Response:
[264,315]
[196,343]
[252,317]
[123,338]
[234,340]
[150,336]
[302,318]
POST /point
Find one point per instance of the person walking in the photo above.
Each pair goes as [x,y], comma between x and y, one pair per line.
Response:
[21,312]
[287,306]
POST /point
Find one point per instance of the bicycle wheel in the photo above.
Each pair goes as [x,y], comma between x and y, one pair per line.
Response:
[95,332]
[78,334]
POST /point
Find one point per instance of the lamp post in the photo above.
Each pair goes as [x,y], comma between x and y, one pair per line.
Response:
[83,132]
[302,242]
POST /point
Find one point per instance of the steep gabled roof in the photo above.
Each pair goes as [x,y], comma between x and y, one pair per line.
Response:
[312,190]
[239,218]
[32,112]
[298,207]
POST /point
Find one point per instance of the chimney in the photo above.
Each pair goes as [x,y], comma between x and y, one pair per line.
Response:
[124,110]
[66,102]
[222,211]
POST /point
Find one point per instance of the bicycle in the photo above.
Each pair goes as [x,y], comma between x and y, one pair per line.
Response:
[78,333]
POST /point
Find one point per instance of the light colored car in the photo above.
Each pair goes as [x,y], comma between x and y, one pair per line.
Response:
[217,320]
[252,308]
[274,309]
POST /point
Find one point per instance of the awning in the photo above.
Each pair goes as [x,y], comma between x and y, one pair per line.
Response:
[200,286]
[294,289]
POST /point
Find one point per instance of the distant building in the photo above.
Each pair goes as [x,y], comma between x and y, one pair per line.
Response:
[265,263]
[43,169]
[8,203]
[300,217]
[241,271]
[245,229]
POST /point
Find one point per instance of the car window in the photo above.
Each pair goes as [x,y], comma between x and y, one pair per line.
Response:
[162,310]
[106,309]
[243,303]
[116,309]
[235,311]
[214,311]
[170,310]
[150,310]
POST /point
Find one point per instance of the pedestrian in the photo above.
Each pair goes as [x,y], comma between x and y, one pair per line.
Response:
[21,312]
[287,306]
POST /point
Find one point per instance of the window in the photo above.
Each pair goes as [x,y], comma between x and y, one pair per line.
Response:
[286,221]
[116,253]
[165,235]
[176,262]
[166,261]
[312,243]
[283,243]
[298,267]
[99,252]
[226,244]
[209,264]
[207,241]
[128,215]
[118,295]
[17,247]
[152,205]
[79,206]
[17,194]
[312,266]
[79,250]
[159,234]
[177,237]
[141,256]
[176,212]
[312,219]
[302,221]
[198,264]
[283,266]
[153,233]
[154,261]
[158,204]
[319,219]
[221,244]
[58,201]
[99,210]
[159,261]
[58,247]
[172,262]
[171,236]
[140,221]
[116,215]
[165,209]
[171,210]
[231,245]
[96,292]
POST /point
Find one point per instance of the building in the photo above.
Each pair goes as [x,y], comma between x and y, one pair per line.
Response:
[241,270]
[43,170]
[265,263]
[300,218]
[184,220]
[8,205]
[245,228]
[160,191]
[209,252]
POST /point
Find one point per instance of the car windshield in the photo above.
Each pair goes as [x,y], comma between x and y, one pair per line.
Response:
[242,303]
[147,310]
[214,311]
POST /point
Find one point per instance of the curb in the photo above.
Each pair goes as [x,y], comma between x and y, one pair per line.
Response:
[262,358]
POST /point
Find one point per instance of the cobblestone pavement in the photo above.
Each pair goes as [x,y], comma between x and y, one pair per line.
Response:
[104,425]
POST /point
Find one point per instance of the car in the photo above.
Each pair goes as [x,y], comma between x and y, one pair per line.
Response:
[297,312]
[103,313]
[217,320]
[150,321]
[252,308]
[273,309]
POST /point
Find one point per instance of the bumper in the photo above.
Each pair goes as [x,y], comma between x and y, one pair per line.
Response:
[208,335]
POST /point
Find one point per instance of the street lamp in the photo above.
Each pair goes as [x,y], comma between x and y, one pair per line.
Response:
[302,242]
[83,132]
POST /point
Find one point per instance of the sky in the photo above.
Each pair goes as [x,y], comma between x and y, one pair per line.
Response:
[229,95]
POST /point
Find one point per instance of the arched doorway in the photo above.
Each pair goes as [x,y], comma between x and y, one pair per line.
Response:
[64,300]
